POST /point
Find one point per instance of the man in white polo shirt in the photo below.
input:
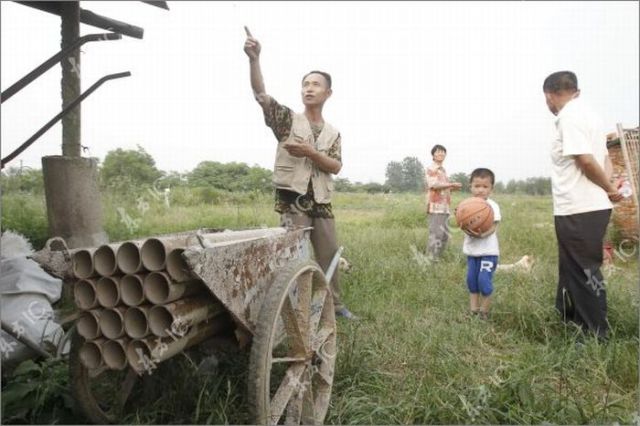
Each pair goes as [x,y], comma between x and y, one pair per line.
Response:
[582,196]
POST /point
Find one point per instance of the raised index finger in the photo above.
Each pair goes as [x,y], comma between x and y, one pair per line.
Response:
[246,30]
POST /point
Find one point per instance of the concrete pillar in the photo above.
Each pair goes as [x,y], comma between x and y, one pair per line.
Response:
[74,207]
[70,82]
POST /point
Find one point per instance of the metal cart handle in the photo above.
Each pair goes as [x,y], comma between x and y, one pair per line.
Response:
[334,264]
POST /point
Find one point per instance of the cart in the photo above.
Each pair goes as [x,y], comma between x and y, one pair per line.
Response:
[270,299]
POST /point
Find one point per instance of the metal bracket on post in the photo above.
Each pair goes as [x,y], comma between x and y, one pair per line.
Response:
[46,65]
[61,114]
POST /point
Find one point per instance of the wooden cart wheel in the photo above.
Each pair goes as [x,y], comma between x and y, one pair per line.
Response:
[100,395]
[293,353]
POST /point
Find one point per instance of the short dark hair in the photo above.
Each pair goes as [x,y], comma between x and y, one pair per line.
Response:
[560,81]
[483,173]
[438,148]
[326,76]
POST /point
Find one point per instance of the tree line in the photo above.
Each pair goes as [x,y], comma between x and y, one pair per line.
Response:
[408,176]
[125,169]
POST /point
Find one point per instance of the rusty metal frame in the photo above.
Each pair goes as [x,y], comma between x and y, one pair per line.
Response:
[61,114]
[93,19]
[46,65]
[239,273]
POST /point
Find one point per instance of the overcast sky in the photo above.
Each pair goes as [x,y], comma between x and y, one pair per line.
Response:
[405,77]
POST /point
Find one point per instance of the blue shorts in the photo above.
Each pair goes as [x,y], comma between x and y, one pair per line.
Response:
[480,274]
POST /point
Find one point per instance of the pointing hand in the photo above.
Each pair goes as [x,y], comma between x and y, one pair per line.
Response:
[251,45]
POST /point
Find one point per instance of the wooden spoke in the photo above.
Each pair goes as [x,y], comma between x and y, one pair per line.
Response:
[288,388]
[317,306]
[294,411]
[321,392]
[308,402]
[127,387]
[290,321]
[321,337]
[325,376]
[288,359]
[303,307]
[290,379]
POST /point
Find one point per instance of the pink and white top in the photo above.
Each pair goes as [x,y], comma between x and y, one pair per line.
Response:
[438,200]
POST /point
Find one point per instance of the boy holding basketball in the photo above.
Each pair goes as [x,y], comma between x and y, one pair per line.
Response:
[482,249]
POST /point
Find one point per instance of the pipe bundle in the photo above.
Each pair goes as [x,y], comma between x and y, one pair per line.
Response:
[140,304]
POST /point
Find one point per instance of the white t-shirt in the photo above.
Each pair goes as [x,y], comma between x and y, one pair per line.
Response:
[578,131]
[487,246]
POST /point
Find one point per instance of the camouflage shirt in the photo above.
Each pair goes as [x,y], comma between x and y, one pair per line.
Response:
[280,118]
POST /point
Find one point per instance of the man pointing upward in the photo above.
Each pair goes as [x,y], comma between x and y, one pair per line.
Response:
[308,153]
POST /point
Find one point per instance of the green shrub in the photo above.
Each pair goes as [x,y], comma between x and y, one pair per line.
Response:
[27,215]
[38,393]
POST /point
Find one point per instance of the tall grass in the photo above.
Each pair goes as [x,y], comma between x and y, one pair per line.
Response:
[416,356]
[419,358]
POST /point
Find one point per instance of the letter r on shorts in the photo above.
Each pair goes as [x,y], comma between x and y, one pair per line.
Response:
[486,265]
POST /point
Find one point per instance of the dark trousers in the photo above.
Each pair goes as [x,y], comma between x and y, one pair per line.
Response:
[325,246]
[582,296]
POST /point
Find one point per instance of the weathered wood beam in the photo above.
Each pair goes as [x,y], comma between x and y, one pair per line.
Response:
[89,18]
[160,4]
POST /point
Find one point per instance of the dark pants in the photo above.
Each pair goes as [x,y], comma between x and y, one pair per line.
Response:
[581,296]
[325,245]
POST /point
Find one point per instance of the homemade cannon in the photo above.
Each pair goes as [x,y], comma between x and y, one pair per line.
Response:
[142,302]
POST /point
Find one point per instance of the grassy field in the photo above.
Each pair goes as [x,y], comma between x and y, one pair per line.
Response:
[416,357]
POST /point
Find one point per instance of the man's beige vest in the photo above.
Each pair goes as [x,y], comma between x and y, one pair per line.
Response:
[292,173]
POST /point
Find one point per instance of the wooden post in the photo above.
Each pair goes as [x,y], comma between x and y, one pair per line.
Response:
[70,83]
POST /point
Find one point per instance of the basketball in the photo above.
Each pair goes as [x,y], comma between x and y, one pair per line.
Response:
[474,214]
